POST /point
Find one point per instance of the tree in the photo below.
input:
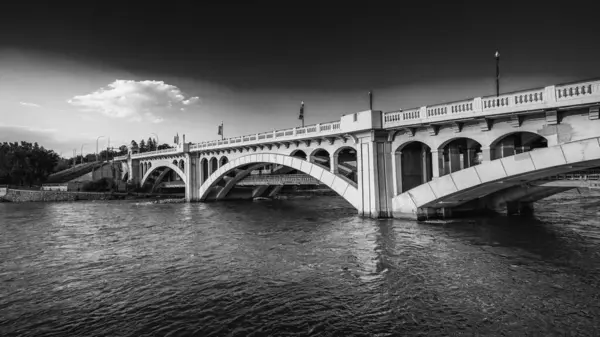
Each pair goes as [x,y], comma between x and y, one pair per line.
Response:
[142,146]
[164,146]
[151,144]
[26,163]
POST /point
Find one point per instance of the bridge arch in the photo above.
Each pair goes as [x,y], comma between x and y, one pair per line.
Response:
[458,153]
[516,142]
[224,160]
[204,169]
[342,187]
[413,165]
[321,157]
[169,165]
[345,162]
[213,164]
[299,154]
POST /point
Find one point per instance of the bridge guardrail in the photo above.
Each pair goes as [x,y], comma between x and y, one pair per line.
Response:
[542,98]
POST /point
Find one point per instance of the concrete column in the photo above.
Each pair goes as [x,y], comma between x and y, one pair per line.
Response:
[470,156]
[424,162]
[375,175]
[134,171]
[333,163]
[200,170]
[454,157]
[486,154]
[397,169]
[192,178]
[437,163]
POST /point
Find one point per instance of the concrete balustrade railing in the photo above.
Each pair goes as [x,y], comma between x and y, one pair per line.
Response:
[322,129]
[542,98]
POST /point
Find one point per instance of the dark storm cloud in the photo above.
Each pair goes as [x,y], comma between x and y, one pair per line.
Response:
[320,47]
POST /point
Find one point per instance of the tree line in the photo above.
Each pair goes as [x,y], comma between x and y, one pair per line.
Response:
[26,163]
[30,164]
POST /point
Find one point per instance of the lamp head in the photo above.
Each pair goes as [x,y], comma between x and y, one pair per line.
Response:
[497,54]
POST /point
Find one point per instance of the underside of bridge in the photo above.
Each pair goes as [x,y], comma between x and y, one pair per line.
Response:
[509,184]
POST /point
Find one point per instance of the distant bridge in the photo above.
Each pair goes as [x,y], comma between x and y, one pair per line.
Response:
[483,153]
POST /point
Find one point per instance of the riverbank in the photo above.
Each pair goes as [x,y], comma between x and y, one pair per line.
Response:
[20,196]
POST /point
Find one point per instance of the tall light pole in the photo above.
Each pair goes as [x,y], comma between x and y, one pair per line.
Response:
[97,146]
[82,152]
[497,55]
[157,143]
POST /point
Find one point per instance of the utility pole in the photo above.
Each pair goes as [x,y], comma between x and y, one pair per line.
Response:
[497,73]
[370,100]
[301,116]
[97,146]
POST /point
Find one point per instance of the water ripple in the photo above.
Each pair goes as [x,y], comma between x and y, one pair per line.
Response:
[305,267]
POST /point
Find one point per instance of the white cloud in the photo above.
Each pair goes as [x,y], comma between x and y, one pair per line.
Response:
[30,104]
[134,99]
[191,100]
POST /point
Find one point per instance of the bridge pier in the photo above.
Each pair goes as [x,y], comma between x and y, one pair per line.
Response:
[193,177]
[519,208]
[375,175]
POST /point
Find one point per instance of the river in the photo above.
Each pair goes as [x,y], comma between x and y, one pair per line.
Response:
[302,267]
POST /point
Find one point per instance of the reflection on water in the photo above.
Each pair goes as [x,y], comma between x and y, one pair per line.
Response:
[298,268]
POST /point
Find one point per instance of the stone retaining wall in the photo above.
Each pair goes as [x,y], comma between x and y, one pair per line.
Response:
[27,196]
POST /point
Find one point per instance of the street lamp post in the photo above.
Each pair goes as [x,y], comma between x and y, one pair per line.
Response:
[97,146]
[497,55]
[82,152]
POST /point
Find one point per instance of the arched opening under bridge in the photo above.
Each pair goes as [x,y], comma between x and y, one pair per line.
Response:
[516,143]
[204,166]
[165,177]
[214,164]
[413,165]
[458,154]
[322,158]
[223,161]
[244,185]
[299,154]
[345,163]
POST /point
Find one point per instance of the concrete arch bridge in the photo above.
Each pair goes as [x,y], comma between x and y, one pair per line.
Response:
[486,153]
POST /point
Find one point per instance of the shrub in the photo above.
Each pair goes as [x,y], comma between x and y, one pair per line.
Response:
[100,185]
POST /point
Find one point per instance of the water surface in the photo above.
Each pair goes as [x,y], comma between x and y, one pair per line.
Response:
[306,267]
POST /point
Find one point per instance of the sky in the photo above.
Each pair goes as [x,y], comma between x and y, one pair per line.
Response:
[71,74]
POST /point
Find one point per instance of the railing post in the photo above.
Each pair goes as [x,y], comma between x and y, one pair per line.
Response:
[477,104]
[423,112]
[318,128]
[294,132]
[550,94]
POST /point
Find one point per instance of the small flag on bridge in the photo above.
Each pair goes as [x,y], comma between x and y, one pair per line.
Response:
[220,132]
[301,111]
